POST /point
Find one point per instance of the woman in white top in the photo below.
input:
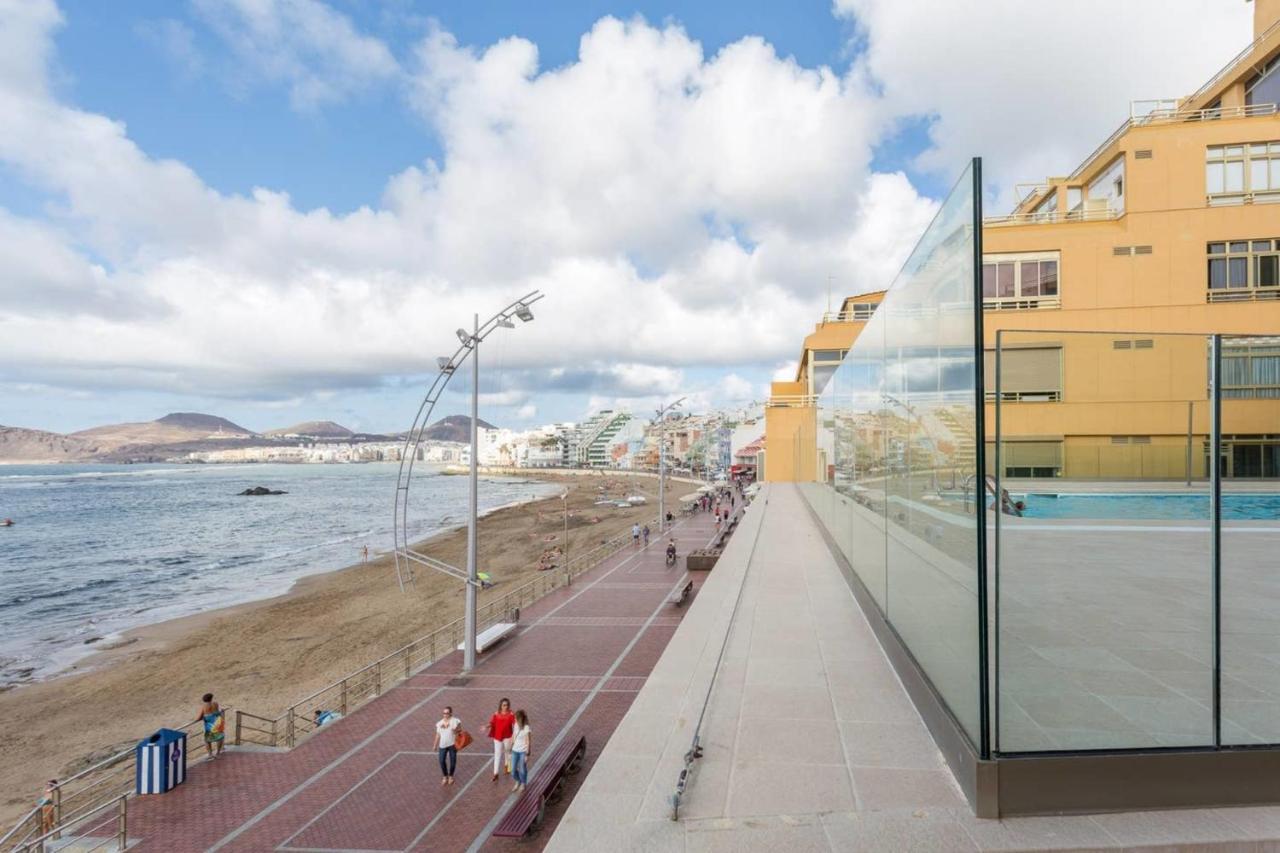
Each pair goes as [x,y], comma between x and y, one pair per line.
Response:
[521,750]
[445,744]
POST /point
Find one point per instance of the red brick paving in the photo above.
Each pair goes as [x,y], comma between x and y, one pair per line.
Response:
[371,781]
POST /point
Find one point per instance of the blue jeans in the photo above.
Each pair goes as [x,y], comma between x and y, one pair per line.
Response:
[448,760]
[520,767]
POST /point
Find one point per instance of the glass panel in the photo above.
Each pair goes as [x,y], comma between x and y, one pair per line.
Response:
[1275,173]
[1258,175]
[1217,273]
[1262,245]
[1048,278]
[1268,272]
[1250,698]
[1030,275]
[1004,280]
[1238,272]
[1105,636]
[903,424]
[826,354]
[1214,180]
[1266,90]
[988,281]
[1234,150]
[1235,176]
[1217,248]
[1240,246]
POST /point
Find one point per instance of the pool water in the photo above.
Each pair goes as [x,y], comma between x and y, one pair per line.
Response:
[1148,506]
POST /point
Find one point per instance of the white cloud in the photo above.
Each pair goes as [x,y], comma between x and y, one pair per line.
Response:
[678,210]
[1034,87]
[304,44]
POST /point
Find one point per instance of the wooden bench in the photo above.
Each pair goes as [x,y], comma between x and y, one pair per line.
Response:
[680,597]
[489,636]
[542,789]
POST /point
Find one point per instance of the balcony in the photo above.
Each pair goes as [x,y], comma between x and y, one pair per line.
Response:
[1084,213]
[792,401]
[1250,294]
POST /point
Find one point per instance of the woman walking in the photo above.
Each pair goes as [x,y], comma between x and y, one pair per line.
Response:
[445,744]
[215,724]
[501,725]
[521,751]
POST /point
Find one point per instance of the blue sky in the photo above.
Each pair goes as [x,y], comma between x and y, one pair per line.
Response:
[302,198]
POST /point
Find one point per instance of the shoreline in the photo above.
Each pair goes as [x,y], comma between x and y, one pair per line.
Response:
[263,654]
[152,636]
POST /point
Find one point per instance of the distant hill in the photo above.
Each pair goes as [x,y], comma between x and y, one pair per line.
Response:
[453,428]
[171,429]
[313,429]
[36,445]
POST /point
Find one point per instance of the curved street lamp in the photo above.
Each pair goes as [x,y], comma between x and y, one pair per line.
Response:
[405,556]
[662,461]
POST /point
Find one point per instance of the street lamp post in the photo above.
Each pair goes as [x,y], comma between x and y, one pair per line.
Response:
[662,462]
[405,556]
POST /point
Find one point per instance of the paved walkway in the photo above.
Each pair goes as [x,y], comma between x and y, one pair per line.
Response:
[371,782]
[810,741]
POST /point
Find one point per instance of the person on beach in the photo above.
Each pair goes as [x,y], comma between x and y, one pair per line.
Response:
[365,554]
[215,725]
[521,751]
[501,726]
[48,807]
[445,744]
[635,534]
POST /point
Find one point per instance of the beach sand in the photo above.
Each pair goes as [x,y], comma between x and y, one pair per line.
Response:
[264,655]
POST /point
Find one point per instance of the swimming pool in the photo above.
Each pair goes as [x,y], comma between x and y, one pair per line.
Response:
[1149,506]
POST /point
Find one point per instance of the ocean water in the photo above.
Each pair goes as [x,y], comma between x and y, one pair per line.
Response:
[98,549]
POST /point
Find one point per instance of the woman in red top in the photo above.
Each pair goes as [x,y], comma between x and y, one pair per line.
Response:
[501,727]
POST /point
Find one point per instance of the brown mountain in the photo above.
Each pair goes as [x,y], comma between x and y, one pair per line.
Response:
[453,428]
[171,429]
[313,429]
[36,445]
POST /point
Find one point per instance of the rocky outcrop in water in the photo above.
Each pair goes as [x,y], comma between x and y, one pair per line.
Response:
[262,490]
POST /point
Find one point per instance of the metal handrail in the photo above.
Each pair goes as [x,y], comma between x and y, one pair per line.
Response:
[792,401]
[850,316]
[87,790]
[1171,116]
[366,683]
[1230,66]
[1079,214]
[121,835]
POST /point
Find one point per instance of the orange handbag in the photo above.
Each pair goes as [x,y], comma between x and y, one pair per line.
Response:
[463,740]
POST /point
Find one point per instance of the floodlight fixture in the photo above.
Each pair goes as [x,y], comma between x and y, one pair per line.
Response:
[465,337]
[504,323]
[444,363]
[523,312]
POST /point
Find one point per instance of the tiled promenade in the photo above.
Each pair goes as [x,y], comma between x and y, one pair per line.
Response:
[371,782]
[810,741]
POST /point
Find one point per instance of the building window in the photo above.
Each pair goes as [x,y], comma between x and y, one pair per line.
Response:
[864,310]
[1234,174]
[1106,192]
[1244,269]
[1251,371]
[1020,281]
[1265,88]
[1027,374]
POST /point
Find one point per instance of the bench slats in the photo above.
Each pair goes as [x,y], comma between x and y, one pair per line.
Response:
[530,807]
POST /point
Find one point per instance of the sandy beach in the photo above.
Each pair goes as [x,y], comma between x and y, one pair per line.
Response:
[263,655]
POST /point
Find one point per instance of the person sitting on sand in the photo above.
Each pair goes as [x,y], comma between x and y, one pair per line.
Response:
[215,724]
[324,718]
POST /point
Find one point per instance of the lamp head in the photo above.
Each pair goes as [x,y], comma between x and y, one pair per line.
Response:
[504,323]
[444,363]
[523,312]
[464,337]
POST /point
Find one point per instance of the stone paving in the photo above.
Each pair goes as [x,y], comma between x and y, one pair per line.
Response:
[370,782]
[810,741]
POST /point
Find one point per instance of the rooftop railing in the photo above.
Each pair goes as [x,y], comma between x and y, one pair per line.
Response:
[857,315]
[1170,117]
[792,401]
[1079,214]
[1230,66]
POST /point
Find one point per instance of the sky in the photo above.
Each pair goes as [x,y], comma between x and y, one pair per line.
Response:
[281,210]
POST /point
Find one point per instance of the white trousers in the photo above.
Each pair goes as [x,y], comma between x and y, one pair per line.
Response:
[501,749]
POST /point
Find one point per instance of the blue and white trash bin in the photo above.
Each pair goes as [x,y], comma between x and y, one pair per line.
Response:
[162,761]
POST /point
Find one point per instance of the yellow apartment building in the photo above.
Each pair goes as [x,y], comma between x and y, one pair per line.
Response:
[791,413]
[1169,231]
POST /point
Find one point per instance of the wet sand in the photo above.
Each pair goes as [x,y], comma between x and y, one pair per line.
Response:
[263,655]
